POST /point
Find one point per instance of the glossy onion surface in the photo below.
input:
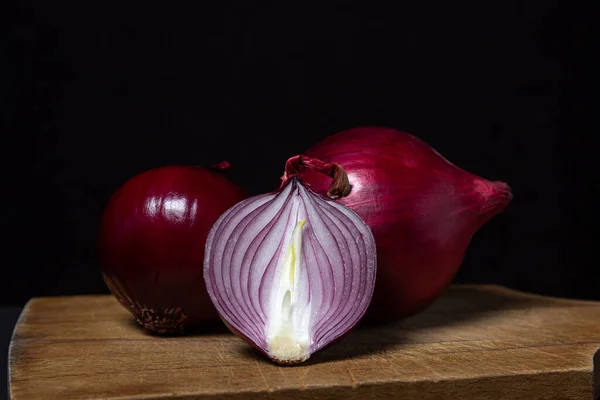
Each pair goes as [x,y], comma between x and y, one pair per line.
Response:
[151,243]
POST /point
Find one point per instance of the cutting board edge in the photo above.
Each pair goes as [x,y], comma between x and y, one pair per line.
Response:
[596,373]
[356,391]
[11,345]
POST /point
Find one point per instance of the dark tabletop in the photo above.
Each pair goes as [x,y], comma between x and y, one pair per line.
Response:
[8,318]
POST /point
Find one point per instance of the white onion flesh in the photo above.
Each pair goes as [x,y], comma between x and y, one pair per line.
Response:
[290,271]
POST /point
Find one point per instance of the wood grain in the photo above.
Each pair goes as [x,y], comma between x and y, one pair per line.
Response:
[476,342]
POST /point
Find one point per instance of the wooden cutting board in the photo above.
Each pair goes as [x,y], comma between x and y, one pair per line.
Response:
[475,342]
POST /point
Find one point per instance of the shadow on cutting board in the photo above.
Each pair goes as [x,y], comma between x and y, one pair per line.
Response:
[217,328]
[459,305]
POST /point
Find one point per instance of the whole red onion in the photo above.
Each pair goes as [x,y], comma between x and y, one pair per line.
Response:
[422,210]
[151,243]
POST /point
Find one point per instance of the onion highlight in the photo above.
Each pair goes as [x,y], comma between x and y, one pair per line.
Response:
[291,271]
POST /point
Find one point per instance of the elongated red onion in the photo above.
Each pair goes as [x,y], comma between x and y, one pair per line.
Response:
[151,244]
[291,271]
[422,209]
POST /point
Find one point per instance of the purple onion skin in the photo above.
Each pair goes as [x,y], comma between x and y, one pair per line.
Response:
[422,209]
[255,287]
[148,244]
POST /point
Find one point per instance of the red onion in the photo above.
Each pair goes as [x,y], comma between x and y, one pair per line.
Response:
[291,271]
[422,209]
[151,243]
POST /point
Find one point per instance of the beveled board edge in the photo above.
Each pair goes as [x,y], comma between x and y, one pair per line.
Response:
[11,350]
[596,368]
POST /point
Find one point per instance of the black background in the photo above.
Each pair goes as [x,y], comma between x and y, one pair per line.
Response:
[96,94]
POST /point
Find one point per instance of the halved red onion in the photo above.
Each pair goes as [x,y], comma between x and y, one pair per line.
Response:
[291,271]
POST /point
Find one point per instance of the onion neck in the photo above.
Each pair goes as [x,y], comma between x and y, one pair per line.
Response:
[288,336]
[340,185]
[495,196]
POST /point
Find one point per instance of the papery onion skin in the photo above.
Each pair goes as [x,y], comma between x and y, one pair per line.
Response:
[151,244]
[422,209]
[322,293]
